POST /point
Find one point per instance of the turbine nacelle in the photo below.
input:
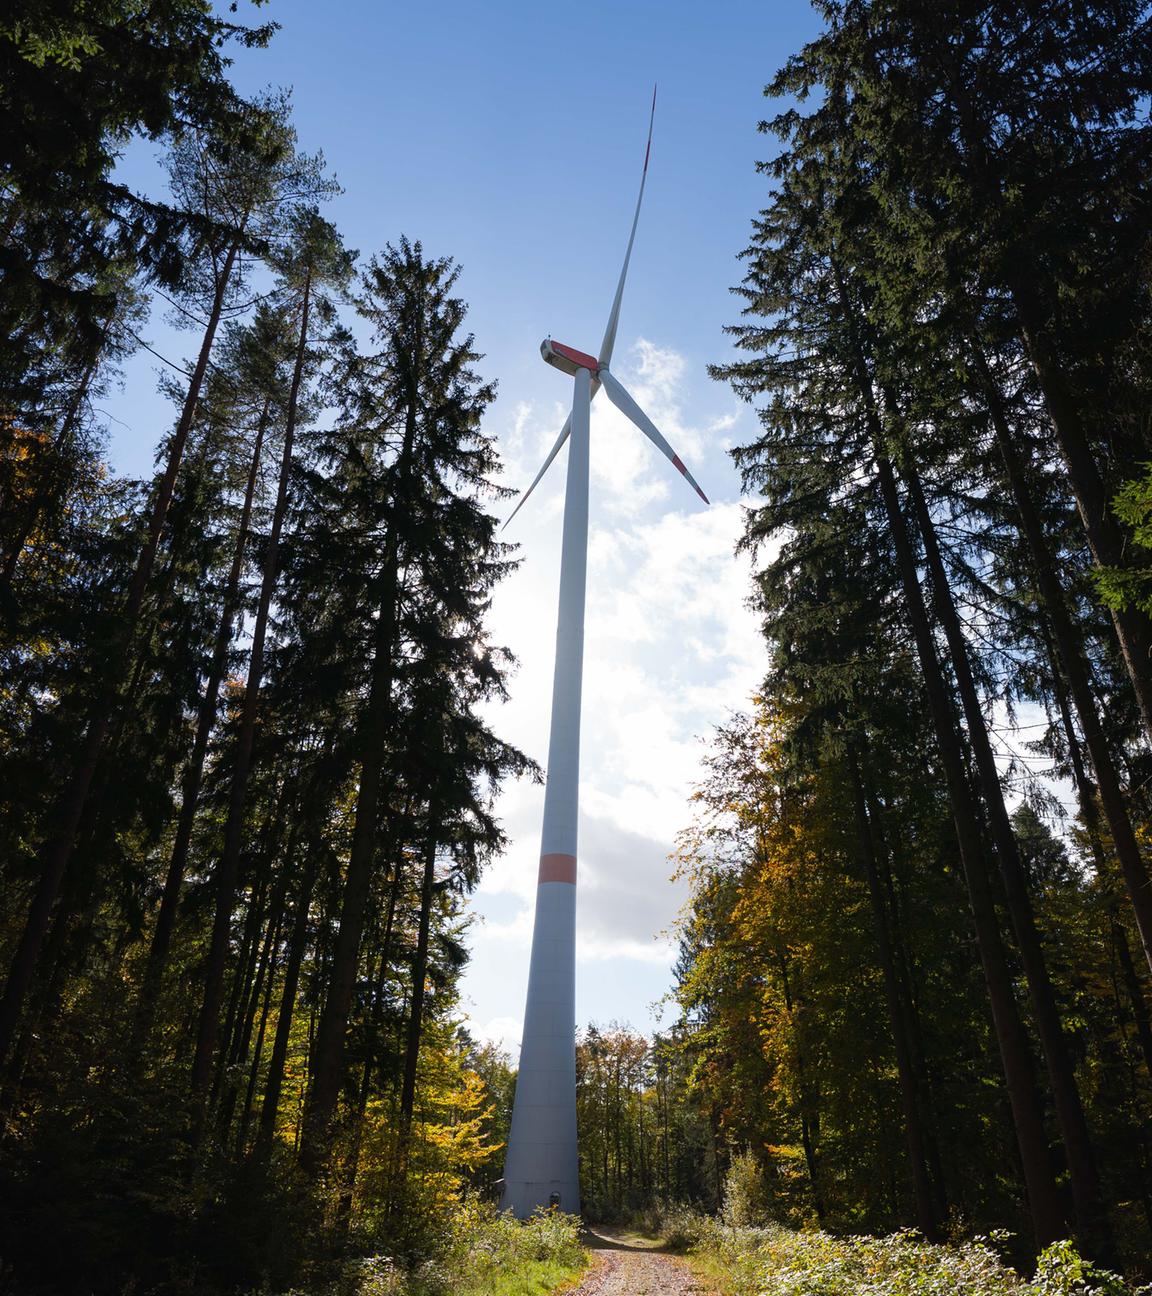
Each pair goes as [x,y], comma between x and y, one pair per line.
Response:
[567,359]
[571,362]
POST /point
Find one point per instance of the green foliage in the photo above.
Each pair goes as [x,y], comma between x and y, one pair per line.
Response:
[1062,1271]
[1125,587]
[488,1249]
[786,1024]
[79,80]
[680,1226]
[644,1139]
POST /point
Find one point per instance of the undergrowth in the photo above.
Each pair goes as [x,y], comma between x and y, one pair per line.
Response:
[774,1261]
[479,1253]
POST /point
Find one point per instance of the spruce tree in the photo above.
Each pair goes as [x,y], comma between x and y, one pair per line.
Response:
[414,471]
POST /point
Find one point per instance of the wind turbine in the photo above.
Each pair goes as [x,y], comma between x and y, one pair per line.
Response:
[541,1167]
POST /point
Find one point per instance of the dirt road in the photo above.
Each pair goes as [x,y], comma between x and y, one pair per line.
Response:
[627,1265]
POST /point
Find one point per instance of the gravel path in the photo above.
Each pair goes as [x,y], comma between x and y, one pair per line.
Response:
[627,1267]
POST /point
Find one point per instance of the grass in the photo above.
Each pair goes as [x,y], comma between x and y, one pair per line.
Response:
[532,1278]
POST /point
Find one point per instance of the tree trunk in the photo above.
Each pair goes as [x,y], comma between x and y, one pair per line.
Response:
[1044,1201]
[807,1132]
[419,977]
[351,1168]
[1090,1210]
[1074,667]
[56,850]
[905,982]
[913,1129]
[1105,536]
[328,1063]
[1135,991]
[44,1000]
[194,774]
[237,1035]
[1027,1113]
[228,870]
[246,962]
[254,991]
[1088,812]
[1021,277]
[265,979]
[274,1081]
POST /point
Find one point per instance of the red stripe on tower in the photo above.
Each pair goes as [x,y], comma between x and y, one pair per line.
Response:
[558,868]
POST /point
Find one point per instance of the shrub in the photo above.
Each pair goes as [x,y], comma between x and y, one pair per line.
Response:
[745,1195]
[1062,1271]
[681,1227]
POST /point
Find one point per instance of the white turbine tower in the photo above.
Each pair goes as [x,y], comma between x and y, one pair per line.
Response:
[540,1167]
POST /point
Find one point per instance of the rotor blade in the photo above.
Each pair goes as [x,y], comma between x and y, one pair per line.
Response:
[610,332]
[547,464]
[626,405]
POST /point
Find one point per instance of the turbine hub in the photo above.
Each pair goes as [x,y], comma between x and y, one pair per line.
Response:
[567,359]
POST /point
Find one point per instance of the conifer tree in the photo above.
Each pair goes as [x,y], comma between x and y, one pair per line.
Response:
[1007,100]
[244,397]
[415,473]
[313,259]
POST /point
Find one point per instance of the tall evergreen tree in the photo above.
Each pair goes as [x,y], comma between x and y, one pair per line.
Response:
[313,259]
[415,473]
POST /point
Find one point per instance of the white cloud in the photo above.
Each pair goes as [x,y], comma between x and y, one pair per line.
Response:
[504,1032]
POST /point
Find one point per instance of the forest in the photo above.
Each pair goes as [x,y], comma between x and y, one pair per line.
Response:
[247,762]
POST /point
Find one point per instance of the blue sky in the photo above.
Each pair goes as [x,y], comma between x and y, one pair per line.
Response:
[510,136]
